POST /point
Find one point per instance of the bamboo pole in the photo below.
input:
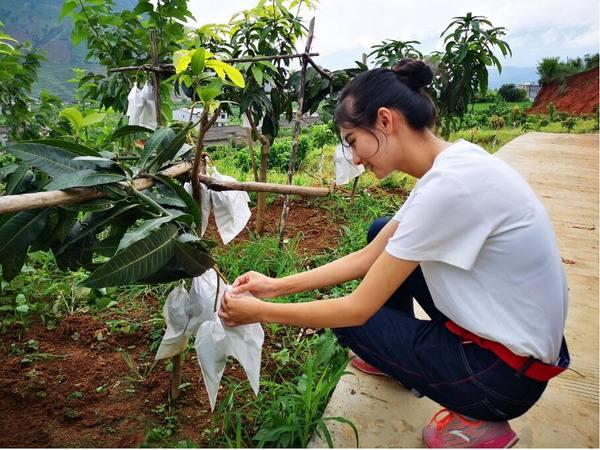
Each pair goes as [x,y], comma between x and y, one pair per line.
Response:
[34,200]
[170,68]
[298,120]
[156,77]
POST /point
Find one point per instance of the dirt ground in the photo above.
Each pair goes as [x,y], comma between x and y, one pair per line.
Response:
[77,389]
[577,95]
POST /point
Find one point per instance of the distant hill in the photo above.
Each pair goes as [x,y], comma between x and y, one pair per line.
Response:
[38,21]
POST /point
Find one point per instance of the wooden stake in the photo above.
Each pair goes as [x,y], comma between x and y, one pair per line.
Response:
[155,76]
[297,125]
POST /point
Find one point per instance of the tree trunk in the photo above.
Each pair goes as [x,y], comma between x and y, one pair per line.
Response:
[251,152]
[261,204]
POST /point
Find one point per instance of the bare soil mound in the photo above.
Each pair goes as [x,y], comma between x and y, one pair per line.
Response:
[577,94]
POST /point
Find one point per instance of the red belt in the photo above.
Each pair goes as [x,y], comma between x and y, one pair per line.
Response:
[528,366]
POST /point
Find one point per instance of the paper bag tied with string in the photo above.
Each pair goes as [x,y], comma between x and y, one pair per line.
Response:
[230,207]
[345,170]
[194,314]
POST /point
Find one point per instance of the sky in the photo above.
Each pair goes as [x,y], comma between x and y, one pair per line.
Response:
[344,29]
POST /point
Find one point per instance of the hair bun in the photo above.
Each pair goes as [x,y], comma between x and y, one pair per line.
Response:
[414,73]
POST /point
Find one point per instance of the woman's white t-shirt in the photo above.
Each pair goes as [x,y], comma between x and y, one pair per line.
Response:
[487,250]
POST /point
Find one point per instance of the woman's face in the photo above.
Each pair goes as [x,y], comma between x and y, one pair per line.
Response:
[366,149]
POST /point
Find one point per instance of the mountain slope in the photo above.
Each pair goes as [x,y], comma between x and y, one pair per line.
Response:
[38,21]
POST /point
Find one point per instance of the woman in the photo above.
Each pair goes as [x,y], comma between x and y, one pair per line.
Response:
[472,244]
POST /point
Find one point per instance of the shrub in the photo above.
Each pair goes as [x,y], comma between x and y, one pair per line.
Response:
[496,122]
[569,123]
[551,111]
[322,135]
[281,150]
[511,93]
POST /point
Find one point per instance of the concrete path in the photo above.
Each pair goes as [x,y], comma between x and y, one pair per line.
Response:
[563,171]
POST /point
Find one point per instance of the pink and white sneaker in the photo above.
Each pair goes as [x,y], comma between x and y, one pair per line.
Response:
[365,367]
[456,431]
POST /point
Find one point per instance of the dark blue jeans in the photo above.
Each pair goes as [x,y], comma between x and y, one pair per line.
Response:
[426,356]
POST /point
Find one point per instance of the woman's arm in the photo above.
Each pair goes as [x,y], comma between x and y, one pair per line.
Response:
[349,267]
[383,278]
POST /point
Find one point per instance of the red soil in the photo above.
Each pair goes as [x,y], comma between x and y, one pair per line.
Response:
[577,95]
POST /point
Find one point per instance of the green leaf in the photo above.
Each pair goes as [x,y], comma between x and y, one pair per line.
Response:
[72,147]
[67,8]
[92,225]
[127,130]
[192,206]
[54,161]
[81,179]
[16,178]
[169,152]
[144,229]
[159,140]
[181,60]
[347,422]
[92,119]
[139,260]
[18,232]
[96,205]
[12,265]
[7,170]
[193,260]
[258,75]
[321,425]
[73,115]
[198,59]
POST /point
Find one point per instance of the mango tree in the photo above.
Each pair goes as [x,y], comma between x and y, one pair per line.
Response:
[462,68]
[269,30]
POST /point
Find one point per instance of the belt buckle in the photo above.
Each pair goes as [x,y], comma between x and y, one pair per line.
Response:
[526,365]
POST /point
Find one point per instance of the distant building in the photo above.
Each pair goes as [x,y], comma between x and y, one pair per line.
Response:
[183,114]
[532,89]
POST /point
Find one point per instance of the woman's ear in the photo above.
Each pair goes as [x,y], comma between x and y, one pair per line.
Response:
[385,120]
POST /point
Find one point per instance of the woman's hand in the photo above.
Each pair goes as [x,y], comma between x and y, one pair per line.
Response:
[240,309]
[257,284]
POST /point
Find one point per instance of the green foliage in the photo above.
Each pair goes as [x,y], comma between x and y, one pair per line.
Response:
[321,135]
[19,64]
[569,123]
[510,93]
[496,122]
[551,111]
[149,236]
[389,52]
[279,155]
[551,70]
[462,67]
[121,38]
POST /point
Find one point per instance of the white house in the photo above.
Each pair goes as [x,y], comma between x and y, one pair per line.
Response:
[183,114]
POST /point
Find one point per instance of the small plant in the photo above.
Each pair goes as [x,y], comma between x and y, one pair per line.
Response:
[496,122]
[569,123]
[551,111]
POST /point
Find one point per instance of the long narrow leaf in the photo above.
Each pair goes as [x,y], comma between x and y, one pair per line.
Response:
[170,151]
[93,225]
[54,161]
[139,260]
[81,179]
[347,422]
[21,230]
[76,149]
[194,261]
[127,130]
[144,229]
[192,206]
[160,140]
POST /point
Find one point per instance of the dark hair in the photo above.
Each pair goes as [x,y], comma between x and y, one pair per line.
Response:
[400,88]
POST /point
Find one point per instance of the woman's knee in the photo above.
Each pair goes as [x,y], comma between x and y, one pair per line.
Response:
[376,227]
